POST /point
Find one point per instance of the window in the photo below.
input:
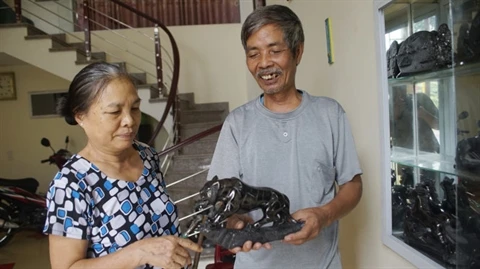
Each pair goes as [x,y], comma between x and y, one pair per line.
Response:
[427,24]
[398,35]
[44,104]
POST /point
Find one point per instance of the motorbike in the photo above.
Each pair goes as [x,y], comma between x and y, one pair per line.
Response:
[20,206]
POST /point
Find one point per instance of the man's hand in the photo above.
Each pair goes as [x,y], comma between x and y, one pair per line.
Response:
[315,219]
[238,222]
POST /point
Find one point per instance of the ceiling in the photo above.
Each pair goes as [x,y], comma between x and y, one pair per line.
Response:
[7,60]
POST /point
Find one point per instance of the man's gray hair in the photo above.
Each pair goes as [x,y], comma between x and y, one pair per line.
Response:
[278,15]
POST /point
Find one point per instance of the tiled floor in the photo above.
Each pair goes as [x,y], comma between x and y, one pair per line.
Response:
[29,250]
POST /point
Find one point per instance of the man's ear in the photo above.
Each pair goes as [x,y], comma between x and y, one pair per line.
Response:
[299,53]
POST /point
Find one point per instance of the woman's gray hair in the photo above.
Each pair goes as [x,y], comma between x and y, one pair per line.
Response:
[86,86]
[279,15]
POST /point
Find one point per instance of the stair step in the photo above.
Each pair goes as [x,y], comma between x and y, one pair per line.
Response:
[63,49]
[32,30]
[96,56]
[12,25]
[156,92]
[158,99]
[186,100]
[85,62]
[192,163]
[58,40]
[81,55]
[45,36]
[193,116]
[190,129]
[139,78]
[205,145]
[212,106]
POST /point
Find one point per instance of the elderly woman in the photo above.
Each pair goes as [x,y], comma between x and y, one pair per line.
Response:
[107,207]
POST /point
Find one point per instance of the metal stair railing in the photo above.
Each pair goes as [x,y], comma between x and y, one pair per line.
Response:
[173,66]
[182,144]
[164,87]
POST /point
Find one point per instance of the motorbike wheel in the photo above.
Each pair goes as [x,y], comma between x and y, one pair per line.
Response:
[6,234]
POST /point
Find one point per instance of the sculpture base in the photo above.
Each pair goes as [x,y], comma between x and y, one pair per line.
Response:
[231,238]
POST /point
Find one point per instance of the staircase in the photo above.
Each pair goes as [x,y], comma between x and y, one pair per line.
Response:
[54,54]
[195,157]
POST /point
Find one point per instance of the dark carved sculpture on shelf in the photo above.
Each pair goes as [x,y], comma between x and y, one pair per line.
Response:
[468,45]
[448,230]
[229,196]
[467,156]
[420,52]
[467,229]
[426,224]
[392,66]
[399,197]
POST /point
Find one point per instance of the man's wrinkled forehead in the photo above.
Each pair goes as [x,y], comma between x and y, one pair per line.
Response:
[274,42]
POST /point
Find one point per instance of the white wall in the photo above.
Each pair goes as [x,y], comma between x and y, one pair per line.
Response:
[212,62]
[20,135]
[352,80]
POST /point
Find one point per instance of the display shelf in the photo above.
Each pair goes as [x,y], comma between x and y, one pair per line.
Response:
[431,162]
[432,205]
[458,70]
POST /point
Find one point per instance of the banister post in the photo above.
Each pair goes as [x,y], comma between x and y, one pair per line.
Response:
[86,29]
[158,62]
[259,3]
[18,10]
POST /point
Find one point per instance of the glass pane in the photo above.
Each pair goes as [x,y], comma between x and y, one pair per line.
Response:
[396,24]
[427,119]
[434,101]
[401,117]
[425,17]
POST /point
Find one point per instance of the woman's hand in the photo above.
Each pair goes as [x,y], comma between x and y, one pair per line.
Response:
[169,252]
[238,222]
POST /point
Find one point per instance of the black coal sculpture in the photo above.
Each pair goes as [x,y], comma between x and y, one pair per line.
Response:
[225,197]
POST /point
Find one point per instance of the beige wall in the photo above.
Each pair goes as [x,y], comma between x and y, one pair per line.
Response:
[20,135]
[352,80]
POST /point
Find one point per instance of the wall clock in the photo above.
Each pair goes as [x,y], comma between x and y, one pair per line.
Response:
[7,86]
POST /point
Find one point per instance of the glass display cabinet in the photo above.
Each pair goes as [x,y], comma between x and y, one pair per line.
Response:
[431,73]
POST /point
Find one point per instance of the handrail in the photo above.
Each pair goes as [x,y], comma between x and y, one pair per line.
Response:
[172,95]
[192,139]
[176,62]
[75,37]
[124,37]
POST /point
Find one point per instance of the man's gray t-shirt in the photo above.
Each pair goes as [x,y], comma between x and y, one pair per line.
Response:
[301,154]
